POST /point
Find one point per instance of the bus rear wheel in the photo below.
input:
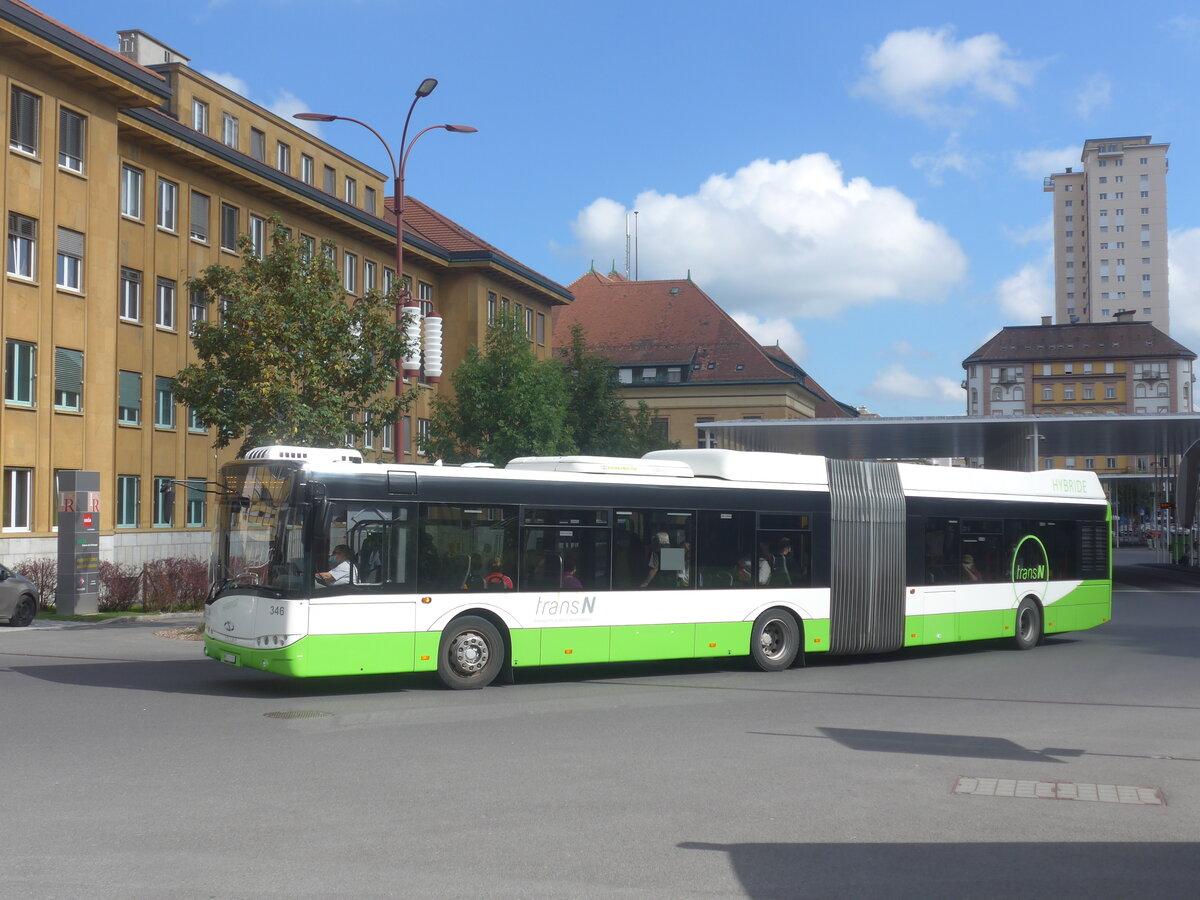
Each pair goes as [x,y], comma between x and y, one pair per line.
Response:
[471,654]
[1029,625]
[774,640]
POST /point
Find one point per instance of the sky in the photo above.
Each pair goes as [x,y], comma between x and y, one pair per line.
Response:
[859,182]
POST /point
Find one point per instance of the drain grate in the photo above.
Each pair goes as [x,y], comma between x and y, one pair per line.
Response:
[1060,790]
[298,714]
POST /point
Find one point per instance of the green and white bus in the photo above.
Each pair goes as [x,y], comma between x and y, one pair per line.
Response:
[473,571]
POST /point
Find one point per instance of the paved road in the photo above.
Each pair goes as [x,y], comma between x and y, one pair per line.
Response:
[136,768]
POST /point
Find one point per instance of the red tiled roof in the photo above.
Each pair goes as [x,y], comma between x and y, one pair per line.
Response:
[427,223]
[1095,340]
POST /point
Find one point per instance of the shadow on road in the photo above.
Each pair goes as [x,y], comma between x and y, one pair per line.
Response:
[1163,870]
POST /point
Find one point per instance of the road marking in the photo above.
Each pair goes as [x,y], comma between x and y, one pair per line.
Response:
[1130,795]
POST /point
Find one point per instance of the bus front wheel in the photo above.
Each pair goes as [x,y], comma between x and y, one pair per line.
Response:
[1029,625]
[471,654]
[774,640]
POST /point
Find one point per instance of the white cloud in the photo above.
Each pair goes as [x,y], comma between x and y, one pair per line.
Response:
[1034,234]
[774,331]
[1028,294]
[949,158]
[784,239]
[284,105]
[925,72]
[897,383]
[1094,96]
[229,80]
[1040,163]
[1183,264]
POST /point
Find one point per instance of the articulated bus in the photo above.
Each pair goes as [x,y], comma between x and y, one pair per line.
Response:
[473,572]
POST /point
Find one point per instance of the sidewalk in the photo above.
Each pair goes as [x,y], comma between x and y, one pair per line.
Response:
[179,618]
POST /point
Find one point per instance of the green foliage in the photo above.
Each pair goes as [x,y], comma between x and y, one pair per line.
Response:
[507,403]
[284,356]
[600,421]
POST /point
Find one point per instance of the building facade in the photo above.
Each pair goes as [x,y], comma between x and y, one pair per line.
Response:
[1118,368]
[1110,233]
[676,349]
[120,181]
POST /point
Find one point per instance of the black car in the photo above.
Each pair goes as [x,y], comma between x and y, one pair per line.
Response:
[18,599]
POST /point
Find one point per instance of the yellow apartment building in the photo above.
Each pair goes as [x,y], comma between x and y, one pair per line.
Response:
[124,175]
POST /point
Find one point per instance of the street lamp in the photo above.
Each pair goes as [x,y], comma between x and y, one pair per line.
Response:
[407,309]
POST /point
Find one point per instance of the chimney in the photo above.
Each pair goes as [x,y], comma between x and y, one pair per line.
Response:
[1046,320]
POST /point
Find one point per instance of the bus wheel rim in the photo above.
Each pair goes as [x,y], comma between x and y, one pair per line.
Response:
[469,652]
[773,639]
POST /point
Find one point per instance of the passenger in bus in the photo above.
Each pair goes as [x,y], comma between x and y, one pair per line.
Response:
[742,574]
[970,573]
[496,580]
[570,581]
[660,540]
[782,562]
[764,563]
[343,571]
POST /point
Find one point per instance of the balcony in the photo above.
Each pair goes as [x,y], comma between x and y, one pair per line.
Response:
[1048,183]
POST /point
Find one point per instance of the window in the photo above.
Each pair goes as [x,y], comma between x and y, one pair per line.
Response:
[1047,393]
[229,130]
[131,295]
[168,195]
[385,438]
[529,323]
[25,112]
[258,235]
[200,210]
[310,247]
[370,275]
[306,168]
[541,328]
[132,181]
[164,402]
[1089,393]
[22,245]
[69,268]
[164,500]
[229,227]
[200,115]
[351,191]
[68,379]
[197,505]
[164,304]
[283,157]
[1069,393]
[491,308]
[369,199]
[129,398]
[350,272]
[1110,462]
[258,145]
[194,422]
[425,296]
[389,279]
[705,439]
[72,132]
[20,372]
[129,490]
[330,180]
[18,489]
[368,434]
[422,435]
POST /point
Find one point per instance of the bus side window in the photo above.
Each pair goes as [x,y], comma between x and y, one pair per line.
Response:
[725,549]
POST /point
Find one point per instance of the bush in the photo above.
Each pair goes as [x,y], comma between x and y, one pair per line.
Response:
[119,586]
[43,572]
[174,584]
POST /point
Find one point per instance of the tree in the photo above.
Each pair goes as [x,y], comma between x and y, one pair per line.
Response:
[600,421]
[288,358]
[506,403]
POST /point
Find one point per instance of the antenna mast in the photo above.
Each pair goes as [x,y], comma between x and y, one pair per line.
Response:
[626,246]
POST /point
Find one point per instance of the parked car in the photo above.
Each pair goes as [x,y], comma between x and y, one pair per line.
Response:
[18,599]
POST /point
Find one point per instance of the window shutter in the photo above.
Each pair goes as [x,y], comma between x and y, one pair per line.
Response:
[22,226]
[70,243]
[70,126]
[68,370]
[200,216]
[25,119]
[130,394]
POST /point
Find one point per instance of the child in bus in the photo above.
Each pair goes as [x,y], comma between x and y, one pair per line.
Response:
[496,580]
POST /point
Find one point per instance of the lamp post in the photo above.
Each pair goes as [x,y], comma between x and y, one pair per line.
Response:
[407,309]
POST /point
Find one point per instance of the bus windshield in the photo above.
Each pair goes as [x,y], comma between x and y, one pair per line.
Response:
[258,542]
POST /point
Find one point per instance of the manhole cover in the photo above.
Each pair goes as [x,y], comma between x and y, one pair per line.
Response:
[298,714]
[1060,790]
